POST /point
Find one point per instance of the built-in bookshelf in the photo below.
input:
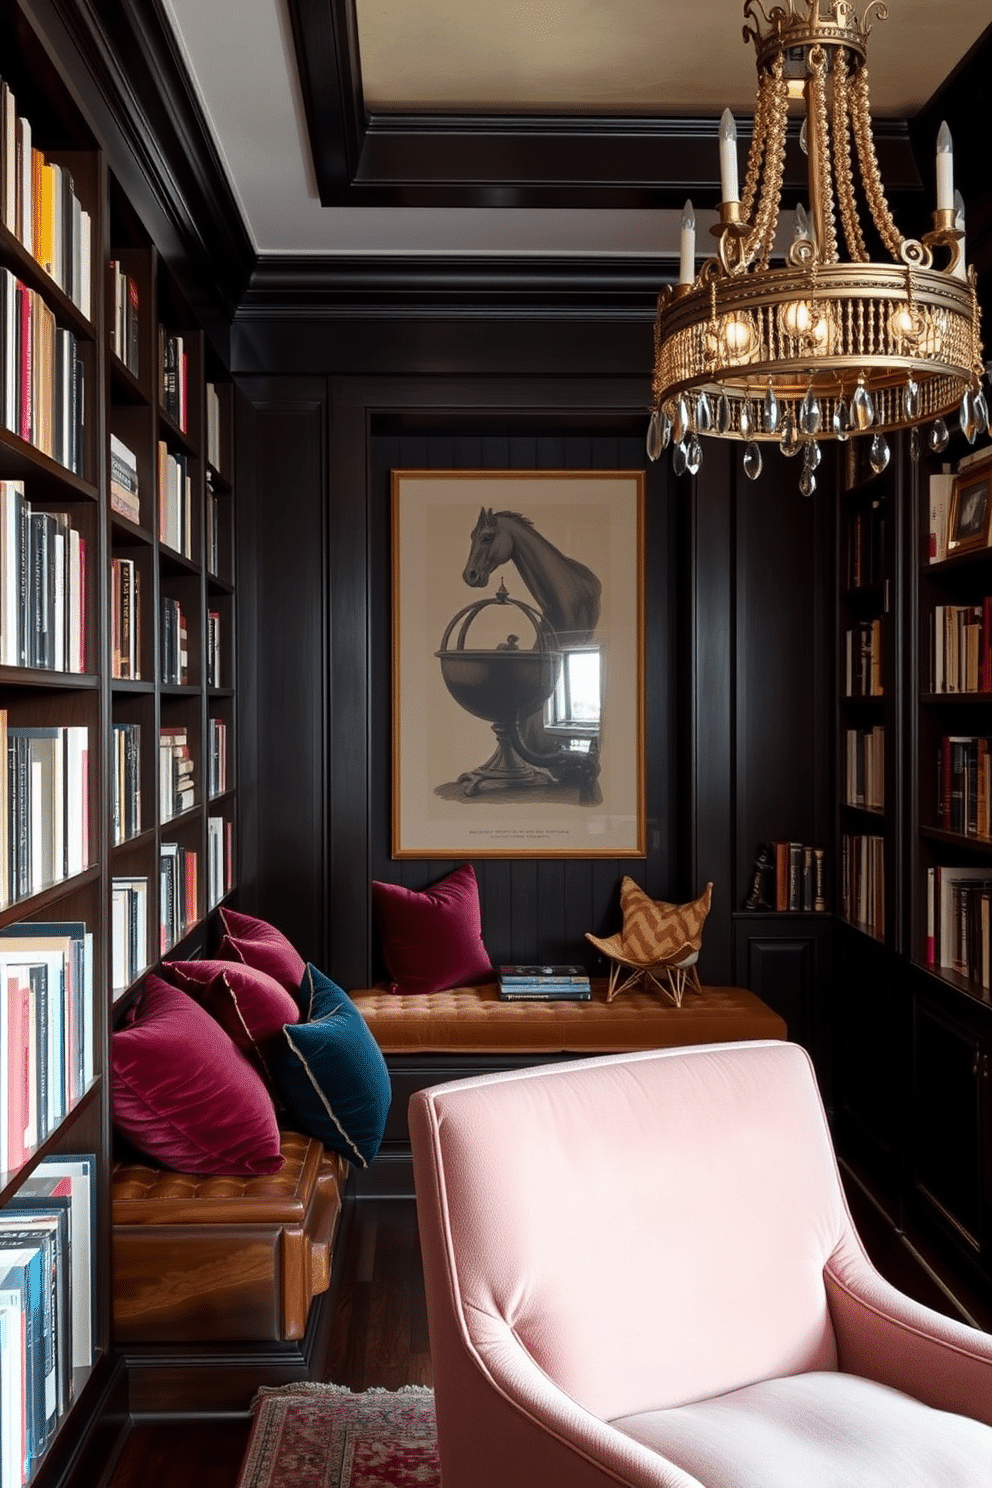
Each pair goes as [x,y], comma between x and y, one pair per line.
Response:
[117,618]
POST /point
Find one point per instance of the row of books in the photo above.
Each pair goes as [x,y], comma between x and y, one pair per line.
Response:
[42,586]
[863,882]
[47,1249]
[863,660]
[958,921]
[174,644]
[865,546]
[525,983]
[125,619]
[173,377]
[46,1030]
[212,526]
[213,426]
[961,647]
[178,892]
[799,877]
[128,931]
[40,207]
[42,375]
[44,806]
[964,793]
[126,790]
[216,756]
[864,765]
[125,495]
[213,648]
[125,324]
[175,502]
[177,785]
[220,858]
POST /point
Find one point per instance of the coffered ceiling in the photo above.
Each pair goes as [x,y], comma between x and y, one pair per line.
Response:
[502,127]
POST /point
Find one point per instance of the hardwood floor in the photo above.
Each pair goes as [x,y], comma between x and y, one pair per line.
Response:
[379,1335]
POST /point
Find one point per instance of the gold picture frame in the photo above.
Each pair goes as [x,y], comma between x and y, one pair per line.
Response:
[518,664]
[969,520]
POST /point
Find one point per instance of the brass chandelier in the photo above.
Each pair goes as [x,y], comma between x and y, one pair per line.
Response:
[822,347]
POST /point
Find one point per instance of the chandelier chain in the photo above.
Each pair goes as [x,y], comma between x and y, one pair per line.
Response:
[762,237]
[871,176]
[756,151]
[853,236]
[824,183]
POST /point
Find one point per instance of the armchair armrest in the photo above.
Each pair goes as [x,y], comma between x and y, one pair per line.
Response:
[886,1336]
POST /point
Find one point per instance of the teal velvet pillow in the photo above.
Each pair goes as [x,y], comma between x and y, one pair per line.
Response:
[329,1073]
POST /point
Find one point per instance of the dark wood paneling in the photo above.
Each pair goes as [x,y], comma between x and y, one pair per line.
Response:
[283,662]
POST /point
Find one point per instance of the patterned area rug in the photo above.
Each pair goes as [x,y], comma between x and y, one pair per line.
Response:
[323,1436]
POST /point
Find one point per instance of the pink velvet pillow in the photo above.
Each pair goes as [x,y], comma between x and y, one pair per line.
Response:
[184,1095]
[432,940]
[249,1005]
[259,944]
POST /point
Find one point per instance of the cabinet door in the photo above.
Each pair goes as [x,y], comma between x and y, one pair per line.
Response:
[950,1138]
[870,1050]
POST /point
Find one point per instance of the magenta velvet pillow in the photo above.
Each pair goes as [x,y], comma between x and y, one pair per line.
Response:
[432,940]
[249,1005]
[259,944]
[184,1095]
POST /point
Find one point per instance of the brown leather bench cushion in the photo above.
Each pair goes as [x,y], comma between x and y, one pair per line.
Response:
[474,1020]
[216,1258]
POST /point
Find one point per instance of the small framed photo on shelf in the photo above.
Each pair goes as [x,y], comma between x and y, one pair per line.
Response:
[969,523]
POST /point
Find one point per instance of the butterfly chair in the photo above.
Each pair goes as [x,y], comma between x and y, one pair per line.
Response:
[659,944]
[640,1269]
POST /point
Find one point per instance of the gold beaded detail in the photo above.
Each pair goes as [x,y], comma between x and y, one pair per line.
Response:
[874,191]
[853,235]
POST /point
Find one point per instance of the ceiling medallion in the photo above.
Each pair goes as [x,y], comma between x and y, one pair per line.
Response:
[818,346]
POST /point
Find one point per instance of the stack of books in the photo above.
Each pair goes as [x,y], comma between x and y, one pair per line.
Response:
[544,984]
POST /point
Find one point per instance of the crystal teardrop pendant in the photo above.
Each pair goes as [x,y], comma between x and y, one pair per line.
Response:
[968,417]
[680,421]
[704,414]
[911,399]
[693,454]
[810,414]
[812,455]
[807,483]
[981,411]
[773,412]
[724,415]
[789,443]
[878,454]
[654,443]
[914,445]
[678,458]
[746,421]
[862,408]
[752,461]
[841,422]
[938,436]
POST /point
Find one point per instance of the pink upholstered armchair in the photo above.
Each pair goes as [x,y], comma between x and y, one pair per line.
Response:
[641,1269]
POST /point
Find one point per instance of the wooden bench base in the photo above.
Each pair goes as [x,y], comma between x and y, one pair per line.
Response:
[214,1277]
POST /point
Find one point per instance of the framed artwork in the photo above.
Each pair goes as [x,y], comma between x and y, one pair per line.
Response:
[969,522]
[517,664]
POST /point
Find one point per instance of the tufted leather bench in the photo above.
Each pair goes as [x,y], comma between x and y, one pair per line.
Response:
[224,1258]
[440,1036]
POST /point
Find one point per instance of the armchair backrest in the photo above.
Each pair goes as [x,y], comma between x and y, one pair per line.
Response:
[650,1228]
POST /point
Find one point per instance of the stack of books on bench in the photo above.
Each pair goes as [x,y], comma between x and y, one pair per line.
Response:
[544,984]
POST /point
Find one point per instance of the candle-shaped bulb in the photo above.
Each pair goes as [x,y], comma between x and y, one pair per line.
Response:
[687,257]
[728,157]
[961,267]
[945,170]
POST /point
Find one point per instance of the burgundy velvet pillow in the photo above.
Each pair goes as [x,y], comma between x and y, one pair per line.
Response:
[259,944]
[249,1005]
[184,1095]
[432,940]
